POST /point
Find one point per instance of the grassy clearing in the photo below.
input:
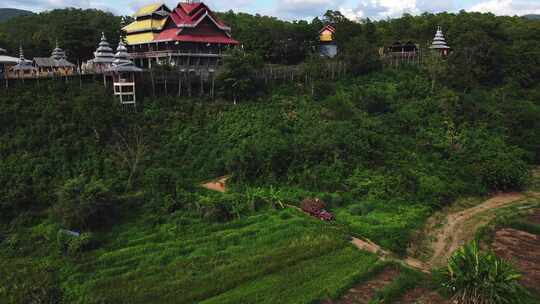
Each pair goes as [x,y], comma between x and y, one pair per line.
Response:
[279,256]
[389,226]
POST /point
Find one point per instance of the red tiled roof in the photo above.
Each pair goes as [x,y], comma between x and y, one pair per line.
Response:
[191,13]
[172,34]
[328,27]
[195,22]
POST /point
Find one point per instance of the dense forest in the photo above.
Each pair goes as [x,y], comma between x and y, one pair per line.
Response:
[384,148]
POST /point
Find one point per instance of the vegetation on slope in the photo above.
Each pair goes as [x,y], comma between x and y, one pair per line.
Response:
[383,150]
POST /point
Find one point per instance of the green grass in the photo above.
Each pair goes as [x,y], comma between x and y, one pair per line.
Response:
[389,226]
[275,257]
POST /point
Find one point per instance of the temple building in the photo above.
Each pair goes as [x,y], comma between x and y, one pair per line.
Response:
[439,43]
[103,58]
[327,42]
[23,69]
[149,21]
[397,48]
[55,66]
[189,35]
[6,62]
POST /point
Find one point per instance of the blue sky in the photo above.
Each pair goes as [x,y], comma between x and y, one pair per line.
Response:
[305,9]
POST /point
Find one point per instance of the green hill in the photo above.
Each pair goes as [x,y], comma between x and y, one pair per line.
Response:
[532,17]
[384,148]
[8,13]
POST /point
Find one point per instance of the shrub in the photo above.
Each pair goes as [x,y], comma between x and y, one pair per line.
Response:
[481,277]
[78,245]
[498,166]
[362,208]
[85,203]
[74,245]
[26,281]
[222,207]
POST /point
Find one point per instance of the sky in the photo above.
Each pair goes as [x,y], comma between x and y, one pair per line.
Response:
[304,9]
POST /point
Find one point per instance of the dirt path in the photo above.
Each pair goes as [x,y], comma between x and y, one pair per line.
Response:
[457,228]
[369,246]
[460,227]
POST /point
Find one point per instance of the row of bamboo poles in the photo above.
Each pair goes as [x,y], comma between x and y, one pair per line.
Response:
[195,82]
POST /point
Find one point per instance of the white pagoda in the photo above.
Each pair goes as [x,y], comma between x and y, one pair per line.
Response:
[439,43]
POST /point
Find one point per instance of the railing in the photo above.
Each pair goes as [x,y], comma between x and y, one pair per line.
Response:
[171,53]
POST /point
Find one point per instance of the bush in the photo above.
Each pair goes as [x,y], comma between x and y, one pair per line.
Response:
[85,203]
[222,207]
[74,245]
[481,277]
[26,281]
[362,208]
[498,166]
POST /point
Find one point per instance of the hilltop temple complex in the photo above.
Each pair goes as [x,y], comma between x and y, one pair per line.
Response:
[189,35]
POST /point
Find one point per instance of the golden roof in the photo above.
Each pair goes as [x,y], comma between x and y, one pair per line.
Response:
[140,38]
[326,36]
[145,25]
[148,10]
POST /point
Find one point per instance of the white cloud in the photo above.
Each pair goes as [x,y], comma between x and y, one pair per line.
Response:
[351,14]
[304,9]
[507,7]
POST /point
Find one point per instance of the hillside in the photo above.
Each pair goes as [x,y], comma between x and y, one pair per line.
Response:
[103,205]
[532,17]
[9,13]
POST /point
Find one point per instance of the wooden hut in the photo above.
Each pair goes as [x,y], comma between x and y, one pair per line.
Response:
[327,43]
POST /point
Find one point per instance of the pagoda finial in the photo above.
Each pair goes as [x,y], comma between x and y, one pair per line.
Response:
[103,38]
[57,43]
[21,53]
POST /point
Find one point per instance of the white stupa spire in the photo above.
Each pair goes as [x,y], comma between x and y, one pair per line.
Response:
[121,56]
[439,42]
[104,53]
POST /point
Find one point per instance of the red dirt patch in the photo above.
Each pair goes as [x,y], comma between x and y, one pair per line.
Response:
[217,185]
[421,295]
[363,292]
[522,249]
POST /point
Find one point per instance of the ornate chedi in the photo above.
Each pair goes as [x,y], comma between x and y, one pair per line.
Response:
[439,43]
[23,69]
[103,58]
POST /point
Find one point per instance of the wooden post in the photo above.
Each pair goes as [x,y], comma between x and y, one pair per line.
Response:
[179,83]
[202,82]
[213,86]
[189,82]
[153,83]
[165,78]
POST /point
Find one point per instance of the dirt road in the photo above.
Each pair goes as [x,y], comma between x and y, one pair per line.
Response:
[456,229]
[460,228]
